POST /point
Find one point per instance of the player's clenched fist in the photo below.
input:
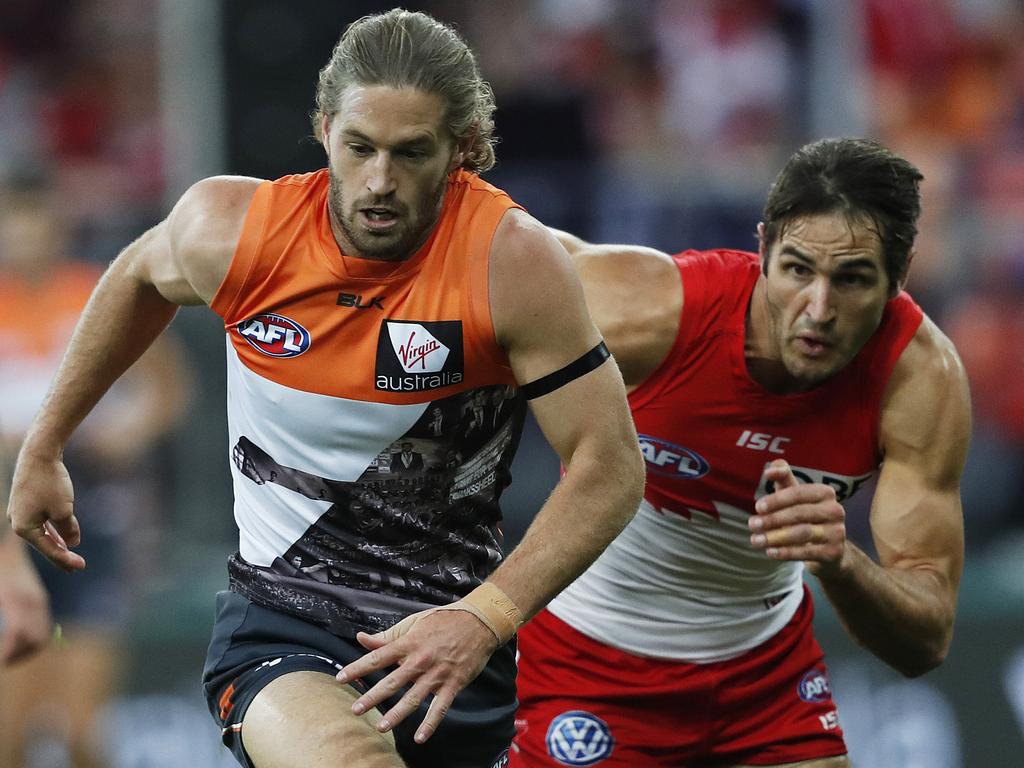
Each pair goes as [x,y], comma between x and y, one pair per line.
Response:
[799,521]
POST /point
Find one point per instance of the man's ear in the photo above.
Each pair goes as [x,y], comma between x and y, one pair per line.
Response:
[901,283]
[325,130]
[762,248]
[459,154]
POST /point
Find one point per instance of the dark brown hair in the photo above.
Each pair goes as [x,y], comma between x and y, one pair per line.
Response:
[859,178]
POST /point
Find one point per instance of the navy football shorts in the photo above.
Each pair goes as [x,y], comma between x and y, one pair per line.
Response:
[252,645]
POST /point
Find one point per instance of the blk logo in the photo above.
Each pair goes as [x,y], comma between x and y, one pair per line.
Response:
[275,335]
[670,460]
[356,301]
[415,356]
[579,738]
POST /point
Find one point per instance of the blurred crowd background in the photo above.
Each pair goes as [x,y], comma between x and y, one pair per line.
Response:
[659,122]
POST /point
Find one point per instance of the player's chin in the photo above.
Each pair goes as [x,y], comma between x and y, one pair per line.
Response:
[811,372]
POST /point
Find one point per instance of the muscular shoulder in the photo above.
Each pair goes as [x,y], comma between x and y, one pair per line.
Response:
[205,226]
[635,296]
[529,271]
[929,365]
[519,236]
[926,407]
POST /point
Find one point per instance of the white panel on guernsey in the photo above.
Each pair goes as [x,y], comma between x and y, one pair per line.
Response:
[325,436]
[270,518]
[686,589]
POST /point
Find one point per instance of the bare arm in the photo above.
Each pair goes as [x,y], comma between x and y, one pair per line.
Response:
[901,608]
[635,298]
[543,324]
[182,260]
[540,318]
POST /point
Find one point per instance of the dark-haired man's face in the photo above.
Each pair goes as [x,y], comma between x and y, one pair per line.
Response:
[826,288]
[390,154]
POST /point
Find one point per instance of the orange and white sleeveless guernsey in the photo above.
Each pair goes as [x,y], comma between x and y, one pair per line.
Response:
[372,416]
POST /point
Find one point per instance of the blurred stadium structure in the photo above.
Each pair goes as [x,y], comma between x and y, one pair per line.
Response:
[653,121]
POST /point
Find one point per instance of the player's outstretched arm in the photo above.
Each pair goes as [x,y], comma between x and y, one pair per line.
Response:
[902,608]
[182,260]
[540,318]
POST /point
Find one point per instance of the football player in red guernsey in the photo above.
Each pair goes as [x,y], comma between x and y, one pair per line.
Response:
[766,389]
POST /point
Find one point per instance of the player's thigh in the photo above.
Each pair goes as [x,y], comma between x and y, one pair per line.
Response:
[305,718]
[842,761]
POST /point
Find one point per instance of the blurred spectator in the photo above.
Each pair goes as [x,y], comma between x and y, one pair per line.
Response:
[987,325]
[79,90]
[57,695]
[948,92]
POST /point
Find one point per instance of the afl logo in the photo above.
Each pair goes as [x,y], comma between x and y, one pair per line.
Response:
[275,335]
[814,686]
[579,738]
[670,460]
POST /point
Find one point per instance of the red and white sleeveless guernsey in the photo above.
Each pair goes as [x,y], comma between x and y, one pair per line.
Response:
[682,581]
[372,416]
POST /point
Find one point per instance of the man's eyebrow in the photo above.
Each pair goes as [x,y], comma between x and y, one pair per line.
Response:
[423,139]
[857,262]
[792,250]
[845,264]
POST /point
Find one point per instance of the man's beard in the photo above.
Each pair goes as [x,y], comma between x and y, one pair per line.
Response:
[410,231]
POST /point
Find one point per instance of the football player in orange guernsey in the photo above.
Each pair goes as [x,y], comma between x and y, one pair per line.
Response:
[356,301]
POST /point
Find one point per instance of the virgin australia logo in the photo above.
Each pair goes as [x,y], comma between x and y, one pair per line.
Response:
[418,351]
[414,356]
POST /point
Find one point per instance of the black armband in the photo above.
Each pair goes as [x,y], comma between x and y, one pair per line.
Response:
[581,365]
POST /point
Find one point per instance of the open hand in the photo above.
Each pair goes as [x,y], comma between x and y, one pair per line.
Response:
[437,652]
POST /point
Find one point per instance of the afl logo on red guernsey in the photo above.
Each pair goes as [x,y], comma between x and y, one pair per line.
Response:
[418,356]
[670,460]
[275,335]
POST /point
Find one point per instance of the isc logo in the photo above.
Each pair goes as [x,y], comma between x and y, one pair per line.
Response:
[275,335]
[762,441]
[672,460]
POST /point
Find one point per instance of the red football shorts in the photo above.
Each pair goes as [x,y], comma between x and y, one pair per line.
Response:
[583,703]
